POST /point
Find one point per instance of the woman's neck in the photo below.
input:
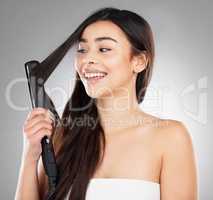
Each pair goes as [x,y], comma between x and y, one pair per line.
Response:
[119,111]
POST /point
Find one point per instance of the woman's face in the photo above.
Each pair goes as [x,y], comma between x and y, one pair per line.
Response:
[104,48]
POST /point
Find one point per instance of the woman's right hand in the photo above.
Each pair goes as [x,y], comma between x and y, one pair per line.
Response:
[39,123]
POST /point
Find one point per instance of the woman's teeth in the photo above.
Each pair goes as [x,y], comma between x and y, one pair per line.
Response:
[92,75]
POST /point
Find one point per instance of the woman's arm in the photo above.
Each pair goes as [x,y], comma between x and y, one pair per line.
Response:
[27,187]
[178,175]
[32,183]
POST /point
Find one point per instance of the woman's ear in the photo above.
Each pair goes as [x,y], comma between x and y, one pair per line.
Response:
[140,62]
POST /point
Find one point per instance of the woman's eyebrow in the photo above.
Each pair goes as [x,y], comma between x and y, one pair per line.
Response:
[98,39]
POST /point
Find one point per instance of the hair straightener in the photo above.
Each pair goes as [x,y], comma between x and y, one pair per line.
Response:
[37,76]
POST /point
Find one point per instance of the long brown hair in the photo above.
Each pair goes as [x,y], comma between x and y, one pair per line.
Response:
[80,147]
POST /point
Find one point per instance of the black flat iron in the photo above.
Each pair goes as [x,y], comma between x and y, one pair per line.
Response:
[37,76]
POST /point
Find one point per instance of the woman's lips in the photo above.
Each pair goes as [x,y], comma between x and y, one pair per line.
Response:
[94,80]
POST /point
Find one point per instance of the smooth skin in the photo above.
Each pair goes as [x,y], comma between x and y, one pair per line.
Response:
[138,145]
[31,183]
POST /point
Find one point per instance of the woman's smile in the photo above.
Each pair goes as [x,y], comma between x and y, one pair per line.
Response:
[94,79]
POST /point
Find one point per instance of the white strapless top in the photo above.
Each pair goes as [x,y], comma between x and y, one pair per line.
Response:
[122,189]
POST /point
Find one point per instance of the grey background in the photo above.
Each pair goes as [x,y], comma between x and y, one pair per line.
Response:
[180,87]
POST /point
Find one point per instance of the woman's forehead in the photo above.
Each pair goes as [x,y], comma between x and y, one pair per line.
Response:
[103,31]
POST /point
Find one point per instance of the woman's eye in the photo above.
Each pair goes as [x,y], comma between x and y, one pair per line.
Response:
[101,49]
[104,49]
[81,50]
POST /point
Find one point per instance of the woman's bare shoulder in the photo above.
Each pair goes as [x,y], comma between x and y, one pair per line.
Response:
[172,136]
[178,159]
[167,131]
[174,131]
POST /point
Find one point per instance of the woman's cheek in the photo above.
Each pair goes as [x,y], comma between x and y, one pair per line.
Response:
[113,60]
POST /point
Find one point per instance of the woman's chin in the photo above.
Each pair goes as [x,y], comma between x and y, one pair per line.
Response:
[98,93]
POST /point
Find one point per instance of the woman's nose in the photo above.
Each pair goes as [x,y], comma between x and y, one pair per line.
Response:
[90,58]
[91,62]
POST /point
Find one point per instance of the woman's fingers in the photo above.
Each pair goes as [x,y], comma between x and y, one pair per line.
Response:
[35,139]
[35,111]
[38,119]
[39,123]
[35,128]
[38,111]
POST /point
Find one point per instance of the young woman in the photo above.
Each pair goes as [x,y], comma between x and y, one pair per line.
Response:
[106,146]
